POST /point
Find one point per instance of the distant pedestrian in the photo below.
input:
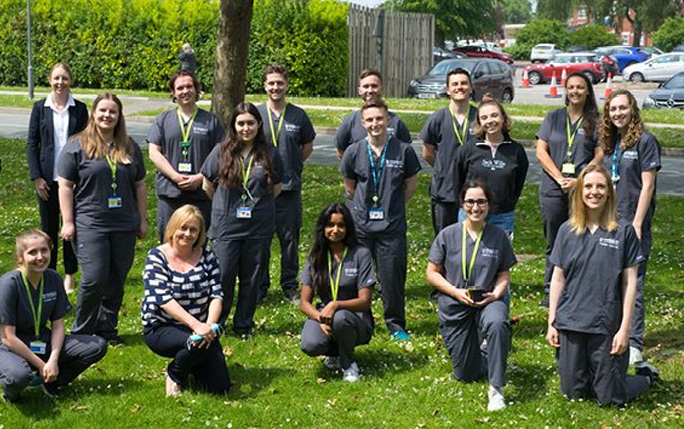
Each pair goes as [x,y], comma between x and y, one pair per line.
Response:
[187,58]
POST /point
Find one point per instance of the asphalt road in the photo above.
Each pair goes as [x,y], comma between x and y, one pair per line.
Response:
[670,178]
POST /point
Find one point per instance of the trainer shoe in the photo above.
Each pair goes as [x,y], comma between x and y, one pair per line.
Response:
[172,388]
[496,399]
[351,374]
[647,370]
[401,335]
[331,362]
[635,356]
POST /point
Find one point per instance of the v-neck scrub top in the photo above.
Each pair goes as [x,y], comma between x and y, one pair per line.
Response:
[351,130]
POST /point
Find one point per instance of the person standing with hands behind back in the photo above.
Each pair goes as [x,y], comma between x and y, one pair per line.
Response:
[53,121]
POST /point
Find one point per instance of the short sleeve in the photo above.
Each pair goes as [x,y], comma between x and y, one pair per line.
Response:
[429,133]
[8,301]
[156,278]
[219,132]
[343,134]
[438,250]
[632,247]
[139,162]
[68,161]
[402,132]
[649,153]
[508,258]
[348,163]
[366,273]
[156,134]
[558,252]
[412,164]
[544,132]
[305,277]
[308,132]
[214,274]
[210,168]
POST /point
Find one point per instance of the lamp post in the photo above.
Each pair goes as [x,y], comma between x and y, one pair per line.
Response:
[30,55]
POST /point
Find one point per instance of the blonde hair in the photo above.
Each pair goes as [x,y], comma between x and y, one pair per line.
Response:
[95,147]
[20,243]
[608,132]
[181,216]
[578,213]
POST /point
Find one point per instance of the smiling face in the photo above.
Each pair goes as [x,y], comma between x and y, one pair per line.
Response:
[491,119]
[60,81]
[186,236]
[106,115]
[336,228]
[620,112]
[476,205]
[370,87]
[184,91]
[595,190]
[375,121]
[35,256]
[459,88]
[576,91]
[276,86]
[246,127]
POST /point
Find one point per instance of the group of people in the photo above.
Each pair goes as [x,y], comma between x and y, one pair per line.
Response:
[222,195]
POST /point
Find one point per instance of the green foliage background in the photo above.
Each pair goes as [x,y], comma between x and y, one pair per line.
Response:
[133,44]
[592,36]
[670,34]
[539,31]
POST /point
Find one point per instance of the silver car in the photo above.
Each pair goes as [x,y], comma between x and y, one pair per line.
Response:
[658,69]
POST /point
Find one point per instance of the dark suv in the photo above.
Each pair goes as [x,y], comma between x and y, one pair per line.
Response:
[488,75]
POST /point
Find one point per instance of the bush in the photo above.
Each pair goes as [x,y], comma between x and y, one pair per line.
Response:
[670,34]
[539,31]
[592,36]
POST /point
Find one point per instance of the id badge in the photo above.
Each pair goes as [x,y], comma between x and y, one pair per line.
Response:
[376,214]
[615,178]
[38,347]
[568,168]
[185,167]
[244,213]
[114,203]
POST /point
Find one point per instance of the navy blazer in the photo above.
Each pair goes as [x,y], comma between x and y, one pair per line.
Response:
[40,146]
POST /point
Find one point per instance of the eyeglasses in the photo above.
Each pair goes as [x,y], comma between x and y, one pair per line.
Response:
[480,203]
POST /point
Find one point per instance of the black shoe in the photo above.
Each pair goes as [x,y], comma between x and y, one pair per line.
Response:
[50,390]
[645,369]
[261,297]
[112,338]
[292,295]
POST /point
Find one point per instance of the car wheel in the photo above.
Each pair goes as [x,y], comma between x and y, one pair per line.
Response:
[507,96]
[535,77]
[590,76]
[636,77]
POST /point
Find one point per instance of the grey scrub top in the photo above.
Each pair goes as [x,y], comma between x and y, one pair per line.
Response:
[438,131]
[351,130]
[553,131]
[224,221]
[205,133]
[494,255]
[93,181]
[643,156]
[401,163]
[591,301]
[15,309]
[295,132]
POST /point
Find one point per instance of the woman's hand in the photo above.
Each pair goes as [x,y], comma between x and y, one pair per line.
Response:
[462,296]
[327,313]
[567,184]
[42,188]
[552,337]
[208,335]
[620,342]
[142,229]
[50,371]
[68,231]
[327,329]
[488,297]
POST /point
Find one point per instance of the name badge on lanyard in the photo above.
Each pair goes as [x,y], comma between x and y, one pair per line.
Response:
[376,213]
[36,346]
[185,167]
[243,211]
[113,201]
[568,169]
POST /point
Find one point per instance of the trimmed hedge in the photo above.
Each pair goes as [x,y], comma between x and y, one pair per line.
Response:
[133,44]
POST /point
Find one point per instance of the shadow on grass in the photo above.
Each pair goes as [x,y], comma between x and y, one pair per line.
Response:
[249,381]
[524,375]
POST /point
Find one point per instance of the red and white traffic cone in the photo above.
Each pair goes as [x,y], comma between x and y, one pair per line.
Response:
[553,89]
[526,79]
[564,78]
[609,84]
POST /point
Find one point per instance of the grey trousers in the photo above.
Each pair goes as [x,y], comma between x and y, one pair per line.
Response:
[246,261]
[288,226]
[389,255]
[105,259]
[78,353]
[443,214]
[463,340]
[587,369]
[555,211]
[166,207]
[349,330]
[636,334]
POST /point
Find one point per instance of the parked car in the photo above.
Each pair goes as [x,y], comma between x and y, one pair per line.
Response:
[488,75]
[627,55]
[678,48]
[475,51]
[573,49]
[586,63]
[439,54]
[670,94]
[658,69]
[543,52]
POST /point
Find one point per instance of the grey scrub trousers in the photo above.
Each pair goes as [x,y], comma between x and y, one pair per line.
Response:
[386,237]
[644,156]
[295,131]
[464,328]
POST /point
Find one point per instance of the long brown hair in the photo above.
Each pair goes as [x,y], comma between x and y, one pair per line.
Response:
[94,145]
[578,214]
[608,132]
[230,170]
[506,122]
[590,111]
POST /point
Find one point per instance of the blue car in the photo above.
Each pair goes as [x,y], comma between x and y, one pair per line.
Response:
[627,55]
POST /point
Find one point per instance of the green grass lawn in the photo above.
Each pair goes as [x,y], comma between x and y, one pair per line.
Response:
[403,386]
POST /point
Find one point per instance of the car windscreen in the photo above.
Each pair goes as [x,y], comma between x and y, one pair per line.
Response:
[441,69]
[676,82]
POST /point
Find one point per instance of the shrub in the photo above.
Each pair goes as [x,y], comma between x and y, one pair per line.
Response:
[592,36]
[539,31]
[670,34]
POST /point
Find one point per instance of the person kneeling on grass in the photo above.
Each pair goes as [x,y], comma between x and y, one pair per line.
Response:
[593,289]
[182,305]
[341,273]
[31,353]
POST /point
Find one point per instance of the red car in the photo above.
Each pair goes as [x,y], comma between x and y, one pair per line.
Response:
[585,63]
[475,51]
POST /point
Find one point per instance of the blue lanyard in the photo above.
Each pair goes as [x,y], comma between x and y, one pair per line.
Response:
[617,157]
[377,173]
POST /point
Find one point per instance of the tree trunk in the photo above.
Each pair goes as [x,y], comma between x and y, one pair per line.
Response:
[232,48]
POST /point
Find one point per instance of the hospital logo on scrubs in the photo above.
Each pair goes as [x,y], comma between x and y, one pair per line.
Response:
[493,164]
[200,130]
[351,272]
[580,131]
[391,131]
[630,154]
[488,252]
[50,296]
[609,242]
[292,128]
[394,163]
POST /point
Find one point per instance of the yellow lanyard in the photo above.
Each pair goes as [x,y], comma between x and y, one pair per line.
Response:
[462,135]
[185,144]
[467,271]
[245,174]
[571,136]
[36,315]
[274,134]
[335,285]
[112,166]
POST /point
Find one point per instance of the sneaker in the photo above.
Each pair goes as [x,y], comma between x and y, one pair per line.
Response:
[401,335]
[50,390]
[635,356]
[172,388]
[351,374]
[292,296]
[332,362]
[647,370]
[496,399]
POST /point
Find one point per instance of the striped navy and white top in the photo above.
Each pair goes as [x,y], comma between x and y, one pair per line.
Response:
[193,289]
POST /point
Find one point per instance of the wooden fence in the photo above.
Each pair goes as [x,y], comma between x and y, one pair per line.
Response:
[396,43]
